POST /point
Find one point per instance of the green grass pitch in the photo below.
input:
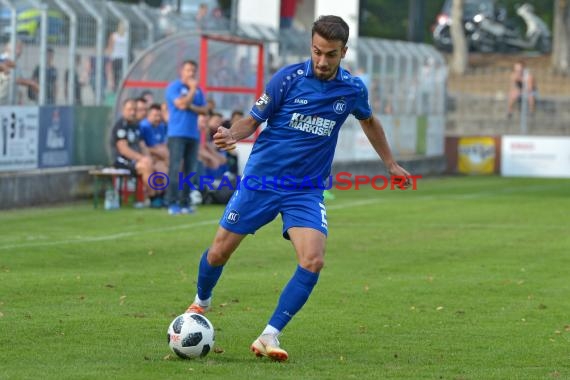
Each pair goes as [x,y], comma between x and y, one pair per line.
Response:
[465,278]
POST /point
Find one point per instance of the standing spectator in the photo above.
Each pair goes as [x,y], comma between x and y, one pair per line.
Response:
[118,51]
[287,13]
[185,101]
[521,79]
[11,67]
[202,17]
[51,79]
[77,85]
[127,148]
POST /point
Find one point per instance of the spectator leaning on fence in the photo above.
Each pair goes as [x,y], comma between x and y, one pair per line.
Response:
[77,79]
[521,79]
[10,64]
[50,80]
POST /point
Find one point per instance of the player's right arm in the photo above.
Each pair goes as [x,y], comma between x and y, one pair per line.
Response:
[124,150]
[226,139]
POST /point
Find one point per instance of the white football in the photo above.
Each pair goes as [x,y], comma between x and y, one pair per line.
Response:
[191,335]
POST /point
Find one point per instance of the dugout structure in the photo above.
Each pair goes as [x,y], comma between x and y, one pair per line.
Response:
[231,70]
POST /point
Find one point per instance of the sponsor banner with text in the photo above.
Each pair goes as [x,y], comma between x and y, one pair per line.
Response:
[535,156]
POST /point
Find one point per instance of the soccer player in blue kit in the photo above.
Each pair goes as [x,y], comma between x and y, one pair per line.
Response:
[304,105]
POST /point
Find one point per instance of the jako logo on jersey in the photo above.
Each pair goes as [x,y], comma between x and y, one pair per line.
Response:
[312,124]
[233,217]
[263,101]
[301,101]
[339,106]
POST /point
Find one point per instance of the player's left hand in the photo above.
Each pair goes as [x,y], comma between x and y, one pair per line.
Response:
[396,170]
[224,139]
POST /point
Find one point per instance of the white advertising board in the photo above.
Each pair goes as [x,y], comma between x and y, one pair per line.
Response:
[19,133]
[534,156]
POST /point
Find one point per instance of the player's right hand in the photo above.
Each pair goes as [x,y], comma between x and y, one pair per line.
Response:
[224,139]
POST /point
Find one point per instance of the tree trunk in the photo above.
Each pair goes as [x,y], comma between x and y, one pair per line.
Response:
[561,47]
[459,58]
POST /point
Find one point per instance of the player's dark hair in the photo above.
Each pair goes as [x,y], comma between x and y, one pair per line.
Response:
[155,106]
[128,100]
[332,28]
[190,62]
[237,113]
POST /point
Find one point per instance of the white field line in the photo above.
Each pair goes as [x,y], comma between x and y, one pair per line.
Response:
[151,231]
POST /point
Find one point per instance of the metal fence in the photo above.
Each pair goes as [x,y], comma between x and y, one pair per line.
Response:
[403,78]
[49,39]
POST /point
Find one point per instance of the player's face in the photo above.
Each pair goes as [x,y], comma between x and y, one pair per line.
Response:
[141,110]
[187,72]
[326,56]
[129,111]
[154,116]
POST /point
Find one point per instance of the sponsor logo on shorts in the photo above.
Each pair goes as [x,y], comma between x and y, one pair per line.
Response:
[233,217]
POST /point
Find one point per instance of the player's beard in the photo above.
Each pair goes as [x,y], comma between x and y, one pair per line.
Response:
[327,74]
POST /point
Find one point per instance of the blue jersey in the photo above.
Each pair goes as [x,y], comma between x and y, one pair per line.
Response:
[304,115]
[182,123]
[152,135]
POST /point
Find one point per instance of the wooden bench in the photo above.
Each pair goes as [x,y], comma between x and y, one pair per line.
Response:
[119,180]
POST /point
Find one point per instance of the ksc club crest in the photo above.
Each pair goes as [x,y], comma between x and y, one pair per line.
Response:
[233,217]
[339,106]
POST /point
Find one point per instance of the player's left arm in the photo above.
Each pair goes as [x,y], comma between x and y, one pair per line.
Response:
[375,133]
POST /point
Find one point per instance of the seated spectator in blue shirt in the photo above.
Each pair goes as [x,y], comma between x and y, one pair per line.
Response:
[153,135]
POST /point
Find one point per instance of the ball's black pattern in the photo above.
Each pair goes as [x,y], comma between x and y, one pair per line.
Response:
[192,339]
[177,327]
[200,320]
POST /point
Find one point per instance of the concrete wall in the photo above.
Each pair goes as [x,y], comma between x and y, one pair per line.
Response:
[44,187]
[49,186]
[470,115]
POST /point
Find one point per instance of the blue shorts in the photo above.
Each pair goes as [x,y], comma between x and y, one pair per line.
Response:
[248,210]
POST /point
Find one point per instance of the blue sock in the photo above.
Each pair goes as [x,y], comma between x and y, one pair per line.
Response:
[293,297]
[207,277]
